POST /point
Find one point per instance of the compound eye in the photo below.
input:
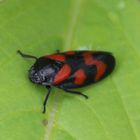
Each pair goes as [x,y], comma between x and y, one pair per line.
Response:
[34,76]
[32,70]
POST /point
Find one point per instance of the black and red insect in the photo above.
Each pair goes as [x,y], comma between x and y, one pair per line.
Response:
[70,70]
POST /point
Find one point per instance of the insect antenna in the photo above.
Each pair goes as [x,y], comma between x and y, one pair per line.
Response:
[26,55]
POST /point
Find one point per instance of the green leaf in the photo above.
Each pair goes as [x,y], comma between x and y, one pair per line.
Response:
[41,27]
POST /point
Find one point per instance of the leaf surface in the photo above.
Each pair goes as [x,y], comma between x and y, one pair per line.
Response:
[41,27]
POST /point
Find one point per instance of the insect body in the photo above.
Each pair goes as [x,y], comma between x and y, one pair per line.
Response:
[70,70]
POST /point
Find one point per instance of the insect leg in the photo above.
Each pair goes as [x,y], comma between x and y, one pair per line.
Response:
[76,92]
[26,55]
[46,98]
[57,51]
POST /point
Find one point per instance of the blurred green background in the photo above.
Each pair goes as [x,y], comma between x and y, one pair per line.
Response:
[40,27]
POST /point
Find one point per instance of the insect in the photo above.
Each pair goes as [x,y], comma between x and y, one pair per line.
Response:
[69,70]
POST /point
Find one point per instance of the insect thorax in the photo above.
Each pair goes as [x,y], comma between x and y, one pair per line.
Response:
[43,71]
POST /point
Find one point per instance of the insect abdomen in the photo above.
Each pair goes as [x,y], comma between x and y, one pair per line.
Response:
[86,67]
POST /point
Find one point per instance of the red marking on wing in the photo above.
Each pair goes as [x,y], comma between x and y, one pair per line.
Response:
[70,52]
[79,77]
[101,66]
[63,74]
[58,57]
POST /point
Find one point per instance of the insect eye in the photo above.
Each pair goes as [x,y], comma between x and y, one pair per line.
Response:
[32,70]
